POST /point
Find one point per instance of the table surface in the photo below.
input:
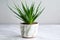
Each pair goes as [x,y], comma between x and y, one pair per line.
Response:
[45,32]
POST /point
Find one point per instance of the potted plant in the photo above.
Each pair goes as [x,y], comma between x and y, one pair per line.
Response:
[29,27]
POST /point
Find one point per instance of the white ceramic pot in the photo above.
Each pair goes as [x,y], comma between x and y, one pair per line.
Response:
[29,30]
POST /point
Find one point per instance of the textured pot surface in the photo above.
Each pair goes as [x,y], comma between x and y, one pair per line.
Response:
[29,30]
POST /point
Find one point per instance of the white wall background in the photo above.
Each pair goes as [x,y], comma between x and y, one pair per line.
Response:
[51,14]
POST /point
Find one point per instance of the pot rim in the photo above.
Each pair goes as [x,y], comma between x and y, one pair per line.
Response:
[29,24]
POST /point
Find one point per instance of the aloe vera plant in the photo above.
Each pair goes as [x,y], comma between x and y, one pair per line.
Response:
[29,14]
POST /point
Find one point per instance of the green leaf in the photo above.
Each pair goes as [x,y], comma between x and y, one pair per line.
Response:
[28,15]
[24,8]
[24,19]
[18,9]
[35,16]
[38,8]
[14,11]
[32,9]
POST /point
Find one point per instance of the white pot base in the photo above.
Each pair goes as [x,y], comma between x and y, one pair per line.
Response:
[29,31]
[28,37]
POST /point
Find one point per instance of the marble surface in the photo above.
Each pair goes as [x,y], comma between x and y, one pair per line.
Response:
[45,32]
